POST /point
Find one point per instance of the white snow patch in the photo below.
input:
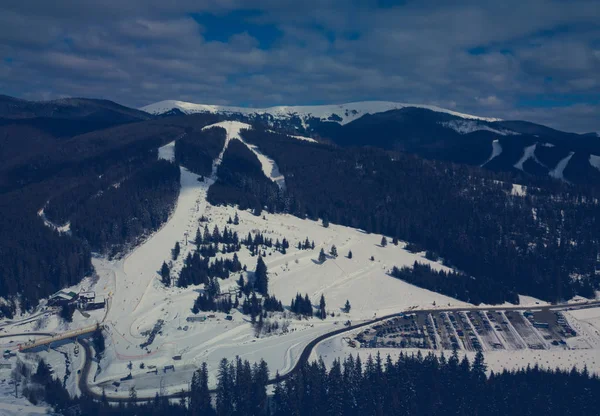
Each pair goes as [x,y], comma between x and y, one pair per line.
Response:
[347,112]
[595,161]
[557,172]
[65,228]
[518,190]
[496,151]
[167,152]
[530,300]
[470,126]
[307,139]
[528,153]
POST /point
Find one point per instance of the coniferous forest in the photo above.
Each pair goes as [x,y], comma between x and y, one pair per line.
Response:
[541,244]
[409,385]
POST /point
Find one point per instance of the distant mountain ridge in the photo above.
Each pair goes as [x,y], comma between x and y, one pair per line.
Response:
[67,108]
[428,131]
[340,113]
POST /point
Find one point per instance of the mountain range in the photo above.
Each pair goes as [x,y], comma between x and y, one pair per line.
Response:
[428,131]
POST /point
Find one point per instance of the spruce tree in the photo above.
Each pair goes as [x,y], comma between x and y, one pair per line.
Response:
[325,221]
[333,251]
[261,281]
[322,256]
[347,306]
[322,310]
[349,254]
[383,241]
[176,250]
[165,274]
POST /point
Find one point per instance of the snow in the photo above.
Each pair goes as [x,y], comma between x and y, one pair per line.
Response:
[528,153]
[16,406]
[595,161]
[167,152]
[530,300]
[307,139]
[470,126]
[496,151]
[65,228]
[269,167]
[347,112]
[137,299]
[557,172]
[518,190]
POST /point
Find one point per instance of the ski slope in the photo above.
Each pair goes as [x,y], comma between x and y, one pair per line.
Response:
[269,167]
[344,113]
[496,151]
[557,172]
[528,153]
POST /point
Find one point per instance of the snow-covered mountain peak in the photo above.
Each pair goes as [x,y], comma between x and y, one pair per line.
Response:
[342,113]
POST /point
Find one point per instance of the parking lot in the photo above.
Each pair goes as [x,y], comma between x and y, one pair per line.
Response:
[470,330]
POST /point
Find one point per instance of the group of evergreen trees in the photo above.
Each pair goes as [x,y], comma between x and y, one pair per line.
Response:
[198,270]
[306,245]
[411,385]
[302,305]
[455,285]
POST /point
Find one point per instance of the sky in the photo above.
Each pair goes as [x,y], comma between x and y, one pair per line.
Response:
[537,60]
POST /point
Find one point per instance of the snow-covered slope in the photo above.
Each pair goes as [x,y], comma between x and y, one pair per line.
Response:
[595,161]
[557,172]
[528,153]
[496,151]
[342,113]
[470,126]
[269,167]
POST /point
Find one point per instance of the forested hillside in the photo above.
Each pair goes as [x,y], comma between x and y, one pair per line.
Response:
[95,180]
[241,181]
[199,148]
[543,243]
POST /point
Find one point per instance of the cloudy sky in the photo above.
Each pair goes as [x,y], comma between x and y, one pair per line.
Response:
[537,60]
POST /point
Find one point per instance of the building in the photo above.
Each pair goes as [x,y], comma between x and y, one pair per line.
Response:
[85,297]
[62,298]
[97,303]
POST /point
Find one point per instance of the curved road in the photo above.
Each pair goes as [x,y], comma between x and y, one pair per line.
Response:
[306,352]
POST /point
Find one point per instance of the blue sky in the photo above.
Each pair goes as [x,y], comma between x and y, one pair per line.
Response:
[537,60]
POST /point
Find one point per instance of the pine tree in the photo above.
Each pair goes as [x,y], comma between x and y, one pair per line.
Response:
[176,250]
[395,241]
[322,310]
[333,251]
[349,254]
[325,221]
[198,239]
[383,241]
[236,219]
[322,256]
[261,281]
[347,306]
[165,274]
